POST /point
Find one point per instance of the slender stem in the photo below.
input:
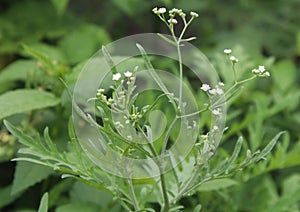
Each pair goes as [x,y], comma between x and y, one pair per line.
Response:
[161,175]
[180,73]
[234,72]
[133,196]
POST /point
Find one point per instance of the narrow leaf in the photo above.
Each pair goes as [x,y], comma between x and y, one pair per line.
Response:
[44,203]
[269,147]
[109,60]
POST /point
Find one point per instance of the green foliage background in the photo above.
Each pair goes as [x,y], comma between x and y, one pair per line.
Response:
[44,40]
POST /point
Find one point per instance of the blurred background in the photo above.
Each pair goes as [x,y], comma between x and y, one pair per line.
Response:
[66,33]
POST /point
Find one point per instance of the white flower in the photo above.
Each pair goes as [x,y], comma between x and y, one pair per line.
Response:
[267,74]
[234,59]
[221,84]
[172,21]
[128,74]
[174,10]
[194,14]
[216,111]
[154,10]
[219,91]
[205,87]
[261,69]
[255,71]
[116,76]
[100,90]
[215,128]
[213,91]
[227,51]
[161,10]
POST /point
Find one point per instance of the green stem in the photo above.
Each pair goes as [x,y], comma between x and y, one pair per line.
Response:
[133,196]
[161,175]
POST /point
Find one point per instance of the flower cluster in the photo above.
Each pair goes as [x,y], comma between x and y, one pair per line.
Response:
[232,58]
[217,90]
[172,13]
[261,72]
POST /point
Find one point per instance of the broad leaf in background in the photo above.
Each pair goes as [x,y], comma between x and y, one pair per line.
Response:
[284,74]
[18,70]
[60,5]
[20,101]
[83,42]
[28,174]
[6,197]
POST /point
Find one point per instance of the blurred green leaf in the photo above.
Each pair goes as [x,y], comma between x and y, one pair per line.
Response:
[217,184]
[6,197]
[298,43]
[24,100]
[83,42]
[28,174]
[79,207]
[18,70]
[60,5]
[284,74]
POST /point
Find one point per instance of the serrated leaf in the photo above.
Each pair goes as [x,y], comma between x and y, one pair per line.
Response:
[28,174]
[44,203]
[216,184]
[24,100]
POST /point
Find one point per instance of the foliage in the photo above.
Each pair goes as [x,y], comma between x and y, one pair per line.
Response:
[45,44]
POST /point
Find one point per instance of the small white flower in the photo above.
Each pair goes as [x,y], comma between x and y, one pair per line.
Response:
[215,127]
[213,91]
[255,71]
[100,90]
[261,69]
[234,59]
[194,14]
[172,21]
[267,74]
[219,91]
[161,10]
[154,10]
[205,87]
[216,111]
[116,76]
[221,84]
[174,10]
[227,51]
[128,74]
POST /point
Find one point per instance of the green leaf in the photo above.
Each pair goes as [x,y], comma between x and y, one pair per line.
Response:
[28,174]
[78,207]
[60,5]
[84,42]
[298,43]
[24,100]
[217,184]
[83,193]
[18,70]
[44,203]
[284,74]
[6,197]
